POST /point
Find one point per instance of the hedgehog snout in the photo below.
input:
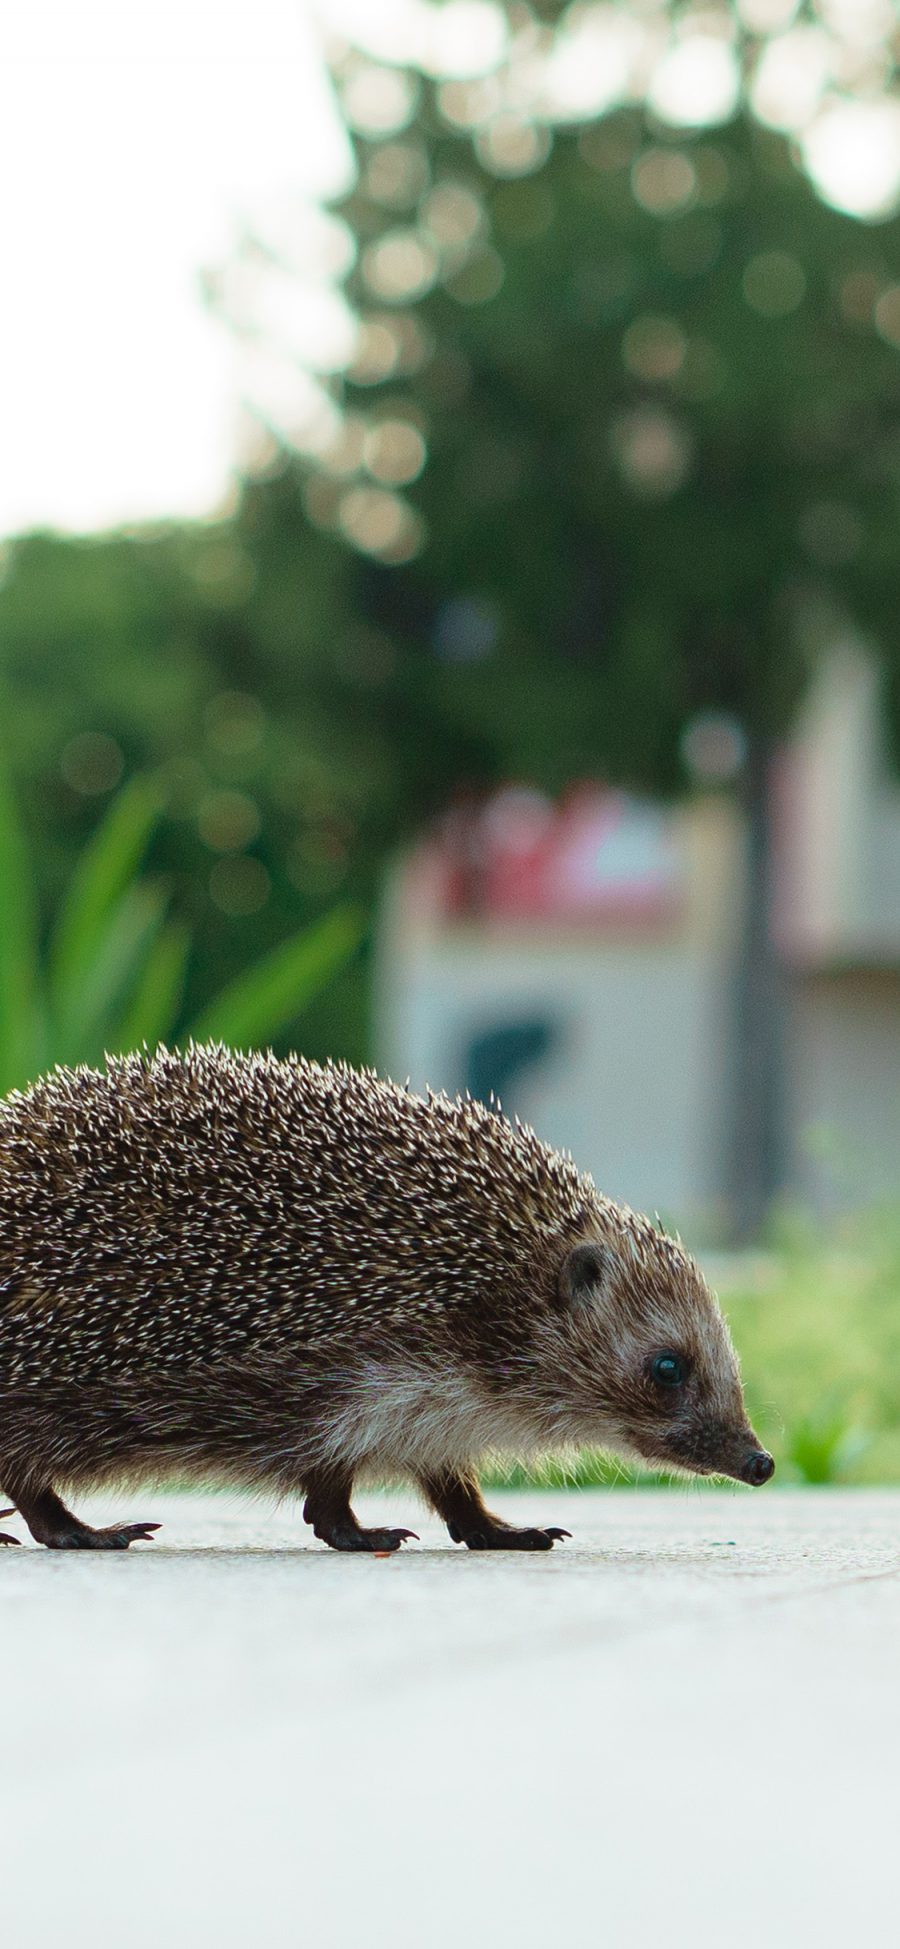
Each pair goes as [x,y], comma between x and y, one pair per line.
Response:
[716,1447]
[745,1459]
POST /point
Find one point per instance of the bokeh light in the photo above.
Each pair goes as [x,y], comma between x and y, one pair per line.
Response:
[887,315]
[696,83]
[343,456]
[459,37]
[453,215]
[400,267]
[228,821]
[791,75]
[664,181]
[378,101]
[654,349]
[774,283]
[464,37]
[653,450]
[857,296]
[766,16]
[510,145]
[396,174]
[386,346]
[394,452]
[380,523]
[92,763]
[592,64]
[852,152]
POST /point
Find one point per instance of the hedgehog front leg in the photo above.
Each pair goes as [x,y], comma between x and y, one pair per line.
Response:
[52,1524]
[327,1510]
[457,1499]
[3,1536]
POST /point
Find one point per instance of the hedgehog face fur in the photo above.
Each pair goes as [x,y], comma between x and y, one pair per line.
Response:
[648,1367]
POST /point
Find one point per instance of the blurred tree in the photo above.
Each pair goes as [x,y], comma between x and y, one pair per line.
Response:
[619,444]
[161,651]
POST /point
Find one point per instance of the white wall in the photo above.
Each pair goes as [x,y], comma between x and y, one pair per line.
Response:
[633,1084]
[845,1087]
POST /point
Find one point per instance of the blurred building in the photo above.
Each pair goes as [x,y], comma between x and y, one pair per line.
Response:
[577,961]
[838,928]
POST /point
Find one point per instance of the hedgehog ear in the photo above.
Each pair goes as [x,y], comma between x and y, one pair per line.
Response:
[583,1273]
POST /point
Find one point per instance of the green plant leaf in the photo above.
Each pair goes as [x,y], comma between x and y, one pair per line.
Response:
[21,1011]
[104,872]
[151,1011]
[120,950]
[253,1008]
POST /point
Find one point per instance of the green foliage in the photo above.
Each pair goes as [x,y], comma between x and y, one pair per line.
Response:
[223,659]
[818,1332]
[112,973]
[21,1024]
[273,992]
[824,1446]
[108,925]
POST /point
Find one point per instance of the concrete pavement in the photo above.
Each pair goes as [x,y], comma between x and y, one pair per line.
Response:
[681,1727]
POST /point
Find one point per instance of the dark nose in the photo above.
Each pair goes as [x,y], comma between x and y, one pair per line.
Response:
[758,1468]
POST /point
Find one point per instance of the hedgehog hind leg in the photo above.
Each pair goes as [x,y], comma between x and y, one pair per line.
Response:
[327,1510]
[458,1501]
[52,1524]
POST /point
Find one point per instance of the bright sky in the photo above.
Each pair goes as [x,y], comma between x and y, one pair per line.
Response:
[134,143]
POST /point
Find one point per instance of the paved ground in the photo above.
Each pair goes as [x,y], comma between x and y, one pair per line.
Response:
[682,1728]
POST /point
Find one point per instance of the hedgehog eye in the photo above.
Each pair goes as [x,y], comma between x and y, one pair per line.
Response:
[667,1369]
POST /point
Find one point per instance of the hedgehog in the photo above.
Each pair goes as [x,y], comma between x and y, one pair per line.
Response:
[291,1277]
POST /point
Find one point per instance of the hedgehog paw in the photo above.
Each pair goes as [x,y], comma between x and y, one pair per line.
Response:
[116,1538]
[377,1541]
[78,1536]
[501,1537]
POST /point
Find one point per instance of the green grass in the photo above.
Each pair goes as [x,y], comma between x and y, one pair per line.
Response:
[819,1340]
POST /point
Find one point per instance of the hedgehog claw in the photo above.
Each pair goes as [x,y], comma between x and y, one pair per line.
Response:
[118,1537]
[379,1540]
[500,1537]
[7,1539]
[348,1535]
